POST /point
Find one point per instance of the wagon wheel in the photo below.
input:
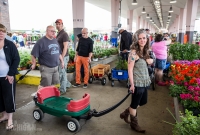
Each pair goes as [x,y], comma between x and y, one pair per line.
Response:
[90,79]
[103,81]
[38,114]
[109,76]
[73,125]
[112,83]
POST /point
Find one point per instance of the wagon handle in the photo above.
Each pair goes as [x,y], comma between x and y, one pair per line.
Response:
[22,77]
[101,113]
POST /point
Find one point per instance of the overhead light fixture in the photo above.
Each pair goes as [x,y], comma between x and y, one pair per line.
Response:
[173,1]
[134,2]
[170,9]
[5,3]
[151,19]
[143,10]
[169,15]
[147,16]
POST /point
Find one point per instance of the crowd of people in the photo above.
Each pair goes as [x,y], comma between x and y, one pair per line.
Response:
[51,51]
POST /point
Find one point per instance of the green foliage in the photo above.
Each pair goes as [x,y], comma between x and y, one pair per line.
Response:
[71,54]
[121,64]
[184,51]
[176,90]
[189,125]
[25,56]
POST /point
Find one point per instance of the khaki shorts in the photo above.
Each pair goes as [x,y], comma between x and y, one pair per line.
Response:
[49,76]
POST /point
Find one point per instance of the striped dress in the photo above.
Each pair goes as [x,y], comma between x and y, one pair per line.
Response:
[140,74]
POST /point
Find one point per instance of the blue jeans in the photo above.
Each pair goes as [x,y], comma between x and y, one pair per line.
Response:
[64,83]
[160,64]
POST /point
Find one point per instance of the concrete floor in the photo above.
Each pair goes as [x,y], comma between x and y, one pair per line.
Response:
[150,116]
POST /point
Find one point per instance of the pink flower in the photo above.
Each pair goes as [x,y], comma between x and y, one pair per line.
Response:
[171,82]
[191,88]
[186,96]
[196,88]
[186,84]
[196,98]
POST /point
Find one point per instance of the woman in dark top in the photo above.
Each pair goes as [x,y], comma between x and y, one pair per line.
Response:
[138,76]
[9,59]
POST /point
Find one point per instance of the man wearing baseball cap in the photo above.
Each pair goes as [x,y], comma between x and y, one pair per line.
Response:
[63,39]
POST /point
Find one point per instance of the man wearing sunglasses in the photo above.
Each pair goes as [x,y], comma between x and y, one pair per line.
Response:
[47,50]
[83,56]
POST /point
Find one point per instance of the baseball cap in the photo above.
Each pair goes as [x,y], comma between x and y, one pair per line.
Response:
[59,21]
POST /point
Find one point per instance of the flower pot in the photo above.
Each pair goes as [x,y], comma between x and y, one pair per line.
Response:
[104,57]
[95,59]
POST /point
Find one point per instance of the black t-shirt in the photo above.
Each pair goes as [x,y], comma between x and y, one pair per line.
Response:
[47,51]
[85,46]
[62,37]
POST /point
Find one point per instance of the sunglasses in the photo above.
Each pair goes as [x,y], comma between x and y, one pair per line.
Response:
[2,30]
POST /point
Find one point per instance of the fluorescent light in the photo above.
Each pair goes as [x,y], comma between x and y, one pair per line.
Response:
[173,1]
[134,2]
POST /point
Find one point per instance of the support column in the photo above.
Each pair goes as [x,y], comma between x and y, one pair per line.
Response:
[114,19]
[182,22]
[129,20]
[143,25]
[138,23]
[4,15]
[177,27]
[78,11]
[192,6]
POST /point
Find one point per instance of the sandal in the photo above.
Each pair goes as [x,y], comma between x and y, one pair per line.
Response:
[10,127]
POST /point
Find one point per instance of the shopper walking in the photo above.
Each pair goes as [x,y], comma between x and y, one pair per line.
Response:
[138,76]
[63,39]
[47,50]
[83,56]
[125,43]
[9,59]
[159,47]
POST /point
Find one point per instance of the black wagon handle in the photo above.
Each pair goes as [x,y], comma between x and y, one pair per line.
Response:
[22,77]
[101,113]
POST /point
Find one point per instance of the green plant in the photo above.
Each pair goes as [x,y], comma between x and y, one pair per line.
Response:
[71,54]
[189,124]
[121,64]
[184,51]
[24,58]
[95,55]
[176,90]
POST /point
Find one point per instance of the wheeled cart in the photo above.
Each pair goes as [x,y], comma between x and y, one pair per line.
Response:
[119,75]
[49,101]
[98,72]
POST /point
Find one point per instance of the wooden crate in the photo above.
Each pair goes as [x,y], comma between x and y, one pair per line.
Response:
[100,69]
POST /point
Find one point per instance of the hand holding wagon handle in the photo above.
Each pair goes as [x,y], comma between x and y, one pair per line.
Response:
[33,66]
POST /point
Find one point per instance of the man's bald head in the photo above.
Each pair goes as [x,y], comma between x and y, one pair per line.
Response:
[84,32]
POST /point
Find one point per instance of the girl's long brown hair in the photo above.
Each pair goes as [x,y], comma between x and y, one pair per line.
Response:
[135,45]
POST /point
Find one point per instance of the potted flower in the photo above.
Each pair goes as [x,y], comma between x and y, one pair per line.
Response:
[95,57]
